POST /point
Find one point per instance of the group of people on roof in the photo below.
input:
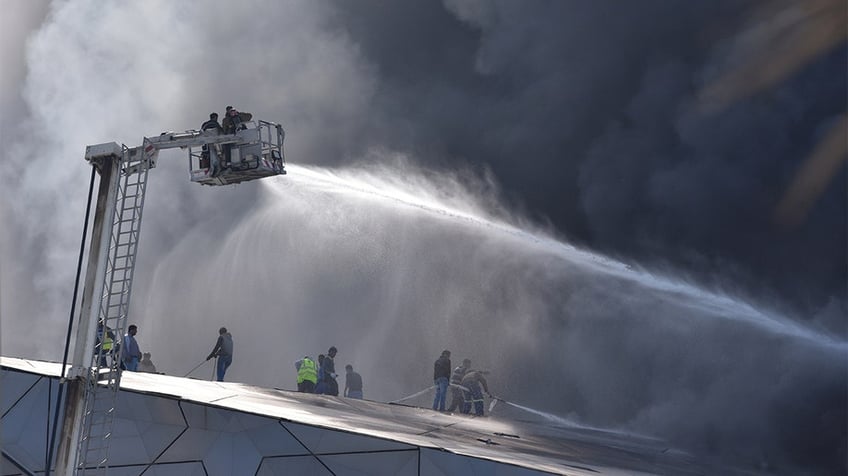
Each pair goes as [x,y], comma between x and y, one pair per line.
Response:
[467,385]
[321,377]
[109,351]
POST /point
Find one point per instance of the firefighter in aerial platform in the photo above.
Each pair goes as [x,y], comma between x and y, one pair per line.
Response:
[473,381]
[233,122]
[208,153]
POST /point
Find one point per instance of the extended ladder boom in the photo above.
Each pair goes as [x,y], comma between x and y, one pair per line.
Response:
[94,378]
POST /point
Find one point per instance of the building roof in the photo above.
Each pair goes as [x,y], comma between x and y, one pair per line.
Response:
[218,426]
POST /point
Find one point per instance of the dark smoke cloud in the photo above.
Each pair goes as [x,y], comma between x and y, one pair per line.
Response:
[587,116]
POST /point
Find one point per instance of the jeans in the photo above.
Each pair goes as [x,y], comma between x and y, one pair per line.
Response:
[132,364]
[224,362]
[354,394]
[441,393]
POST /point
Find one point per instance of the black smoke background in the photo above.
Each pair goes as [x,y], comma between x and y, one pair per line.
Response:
[660,133]
[588,114]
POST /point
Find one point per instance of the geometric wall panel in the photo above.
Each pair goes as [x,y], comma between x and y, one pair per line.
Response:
[390,463]
[170,426]
[28,403]
[321,441]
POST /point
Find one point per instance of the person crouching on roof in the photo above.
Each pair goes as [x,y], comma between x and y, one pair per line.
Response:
[455,382]
[472,381]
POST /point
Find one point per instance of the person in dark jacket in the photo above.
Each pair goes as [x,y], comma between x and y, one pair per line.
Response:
[208,154]
[233,122]
[331,385]
[441,378]
[353,383]
[234,119]
[223,350]
[321,386]
[212,124]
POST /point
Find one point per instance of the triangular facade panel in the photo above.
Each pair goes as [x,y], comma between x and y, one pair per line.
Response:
[324,441]
[168,425]
[28,413]
[391,463]
[306,465]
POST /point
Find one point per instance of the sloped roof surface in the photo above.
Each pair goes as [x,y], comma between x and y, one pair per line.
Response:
[173,425]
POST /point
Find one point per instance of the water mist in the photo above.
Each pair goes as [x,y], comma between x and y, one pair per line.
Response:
[392,271]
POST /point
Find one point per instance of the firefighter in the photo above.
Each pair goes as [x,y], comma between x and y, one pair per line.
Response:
[473,381]
[208,154]
[456,382]
[234,120]
[212,124]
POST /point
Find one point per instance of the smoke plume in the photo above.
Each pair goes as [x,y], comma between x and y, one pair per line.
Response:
[457,169]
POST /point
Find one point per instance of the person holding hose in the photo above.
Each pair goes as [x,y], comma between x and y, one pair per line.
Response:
[223,350]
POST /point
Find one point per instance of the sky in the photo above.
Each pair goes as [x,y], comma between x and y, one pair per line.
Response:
[638,208]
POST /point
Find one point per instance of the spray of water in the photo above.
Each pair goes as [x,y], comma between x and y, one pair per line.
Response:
[409,193]
[550,417]
[390,264]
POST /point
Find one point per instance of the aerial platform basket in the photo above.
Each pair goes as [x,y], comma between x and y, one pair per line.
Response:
[255,151]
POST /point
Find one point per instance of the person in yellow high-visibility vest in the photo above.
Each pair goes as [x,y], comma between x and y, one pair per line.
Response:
[307,375]
[105,342]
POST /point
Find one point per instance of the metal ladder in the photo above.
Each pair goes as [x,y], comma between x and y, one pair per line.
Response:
[101,390]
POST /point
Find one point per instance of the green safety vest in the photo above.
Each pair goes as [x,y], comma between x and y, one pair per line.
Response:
[307,371]
[107,343]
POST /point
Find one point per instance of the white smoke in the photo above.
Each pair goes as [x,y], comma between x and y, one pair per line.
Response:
[102,72]
[388,262]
